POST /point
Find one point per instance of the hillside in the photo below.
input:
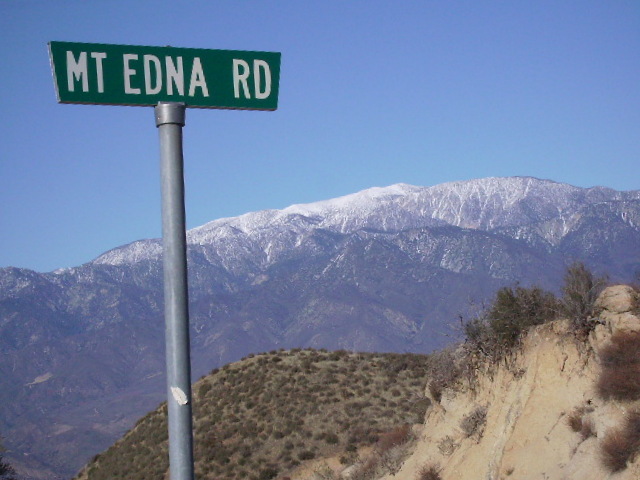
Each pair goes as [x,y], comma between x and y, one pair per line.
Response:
[549,412]
[265,415]
[559,407]
[381,270]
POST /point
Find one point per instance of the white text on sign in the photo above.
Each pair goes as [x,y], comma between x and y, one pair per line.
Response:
[167,74]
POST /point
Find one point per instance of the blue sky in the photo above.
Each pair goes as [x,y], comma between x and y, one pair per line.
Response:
[372,93]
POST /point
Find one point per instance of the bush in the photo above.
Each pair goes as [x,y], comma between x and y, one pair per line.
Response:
[443,372]
[514,311]
[588,429]
[622,444]
[204,389]
[6,471]
[365,471]
[498,330]
[394,438]
[581,424]
[620,375]
[580,292]
[429,472]
[268,473]
[447,446]
[332,438]
[306,455]
[474,422]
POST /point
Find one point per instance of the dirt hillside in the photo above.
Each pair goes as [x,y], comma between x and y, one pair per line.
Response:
[541,416]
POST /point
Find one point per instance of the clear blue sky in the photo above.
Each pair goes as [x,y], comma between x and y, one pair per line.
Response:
[372,92]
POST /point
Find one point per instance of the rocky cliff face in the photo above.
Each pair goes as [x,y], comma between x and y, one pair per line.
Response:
[532,408]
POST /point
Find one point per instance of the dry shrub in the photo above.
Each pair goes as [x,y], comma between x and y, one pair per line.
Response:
[622,350]
[621,384]
[580,291]
[389,448]
[394,438]
[635,305]
[580,423]
[620,376]
[429,472]
[447,446]
[324,472]
[387,456]
[474,422]
[443,372]
[574,420]
[366,470]
[622,444]
[588,429]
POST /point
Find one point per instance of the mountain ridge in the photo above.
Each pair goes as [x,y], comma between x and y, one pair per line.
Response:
[440,209]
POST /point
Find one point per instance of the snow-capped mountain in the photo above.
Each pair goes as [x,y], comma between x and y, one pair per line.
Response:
[386,269]
[486,204]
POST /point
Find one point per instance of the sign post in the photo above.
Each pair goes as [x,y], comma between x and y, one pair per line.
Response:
[170,118]
[170,79]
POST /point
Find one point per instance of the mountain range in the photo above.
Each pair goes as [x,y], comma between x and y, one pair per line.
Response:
[385,269]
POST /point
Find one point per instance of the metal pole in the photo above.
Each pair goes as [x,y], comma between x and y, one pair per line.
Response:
[170,120]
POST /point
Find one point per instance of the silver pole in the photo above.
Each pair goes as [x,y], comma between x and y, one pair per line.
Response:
[170,120]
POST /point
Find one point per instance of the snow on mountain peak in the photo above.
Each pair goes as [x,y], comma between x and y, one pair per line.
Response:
[131,253]
[480,204]
[360,201]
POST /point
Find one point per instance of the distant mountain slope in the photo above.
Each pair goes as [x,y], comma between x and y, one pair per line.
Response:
[386,269]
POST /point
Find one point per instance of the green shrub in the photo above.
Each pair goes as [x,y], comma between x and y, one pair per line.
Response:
[515,310]
[498,330]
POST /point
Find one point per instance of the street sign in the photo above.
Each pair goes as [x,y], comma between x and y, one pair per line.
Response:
[170,79]
[92,73]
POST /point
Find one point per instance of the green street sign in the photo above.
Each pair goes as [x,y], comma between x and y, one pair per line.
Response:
[91,73]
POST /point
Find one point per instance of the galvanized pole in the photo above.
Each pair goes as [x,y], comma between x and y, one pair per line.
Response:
[170,120]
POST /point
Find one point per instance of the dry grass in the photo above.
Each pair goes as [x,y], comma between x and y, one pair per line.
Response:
[260,418]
